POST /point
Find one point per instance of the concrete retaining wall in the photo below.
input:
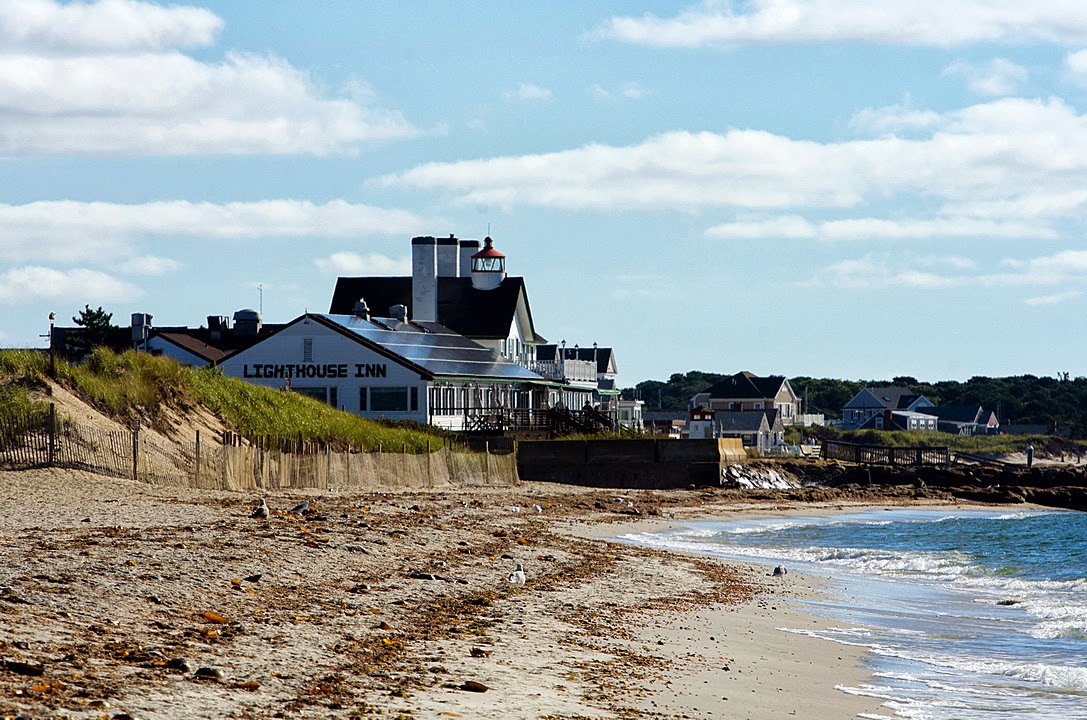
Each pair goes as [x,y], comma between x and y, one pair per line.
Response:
[628,463]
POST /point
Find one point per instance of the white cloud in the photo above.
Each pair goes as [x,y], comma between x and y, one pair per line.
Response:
[793,227]
[936,23]
[996,77]
[103,26]
[629,91]
[1054,299]
[172,104]
[1000,152]
[148,265]
[29,284]
[109,78]
[353,264]
[529,92]
[71,231]
[1065,269]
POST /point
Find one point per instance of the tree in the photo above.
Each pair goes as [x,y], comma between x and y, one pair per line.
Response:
[96,326]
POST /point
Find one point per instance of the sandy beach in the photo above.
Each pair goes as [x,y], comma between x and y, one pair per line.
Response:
[121,599]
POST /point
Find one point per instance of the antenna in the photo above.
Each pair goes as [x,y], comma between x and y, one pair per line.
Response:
[488,229]
[260,299]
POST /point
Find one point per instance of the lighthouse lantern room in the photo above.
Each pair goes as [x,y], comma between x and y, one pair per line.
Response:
[488,267]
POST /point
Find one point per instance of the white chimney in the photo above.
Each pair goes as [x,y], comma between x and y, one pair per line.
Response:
[468,248]
[448,262]
[424,279]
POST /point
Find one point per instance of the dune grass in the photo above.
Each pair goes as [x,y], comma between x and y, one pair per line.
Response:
[983,444]
[137,385]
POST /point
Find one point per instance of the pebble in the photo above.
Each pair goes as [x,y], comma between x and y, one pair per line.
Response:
[253,578]
[124,716]
[210,673]
[473,686]
[179,664]
[98,704]
[507,556]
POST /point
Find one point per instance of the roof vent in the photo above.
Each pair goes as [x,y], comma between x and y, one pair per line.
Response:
[361,309]
[247,323]
[399,312]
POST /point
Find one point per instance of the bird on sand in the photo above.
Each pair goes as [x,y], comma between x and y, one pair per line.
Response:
[779,571]
[517,577]
[300,508]
[260,512]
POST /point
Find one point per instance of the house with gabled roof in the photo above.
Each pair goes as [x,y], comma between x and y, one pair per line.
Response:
[746,391]
[965,419]
[389,368]
[756,429]
[873,401]
[456,284]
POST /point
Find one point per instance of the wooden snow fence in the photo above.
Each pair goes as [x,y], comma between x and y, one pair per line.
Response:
[237,464]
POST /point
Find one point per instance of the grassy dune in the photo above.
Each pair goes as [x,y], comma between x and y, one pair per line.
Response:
[134,385]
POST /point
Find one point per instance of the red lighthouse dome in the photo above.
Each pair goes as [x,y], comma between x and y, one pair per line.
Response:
[488,267]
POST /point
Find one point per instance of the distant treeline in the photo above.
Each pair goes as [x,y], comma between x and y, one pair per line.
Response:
[1022,399]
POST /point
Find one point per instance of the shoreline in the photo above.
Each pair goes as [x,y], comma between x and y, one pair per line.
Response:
[397,602]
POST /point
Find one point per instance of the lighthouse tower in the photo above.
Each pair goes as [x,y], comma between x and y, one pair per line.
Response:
[488,267]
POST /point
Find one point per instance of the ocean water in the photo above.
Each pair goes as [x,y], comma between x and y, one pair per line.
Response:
[967,615]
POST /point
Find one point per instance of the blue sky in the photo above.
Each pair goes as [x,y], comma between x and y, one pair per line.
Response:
[835,188]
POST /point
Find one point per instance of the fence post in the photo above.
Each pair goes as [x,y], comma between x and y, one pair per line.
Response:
[135,449]
[429,479]
[486,462]
[52,434]
[197,458]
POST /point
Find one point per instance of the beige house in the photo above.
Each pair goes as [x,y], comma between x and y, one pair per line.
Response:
[745,392]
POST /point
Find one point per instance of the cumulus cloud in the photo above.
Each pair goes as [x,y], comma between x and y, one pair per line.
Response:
[353,264]
[33,283]
[922,22]
[528,92]
[1005,151]
[996,77]
[71,231]
[794,227]
[103,26]
[130,90]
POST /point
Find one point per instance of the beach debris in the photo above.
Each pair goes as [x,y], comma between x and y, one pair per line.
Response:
[179,664]
[300,508]
[253,578]
[214,617]
[209,673]
[260,512]
[473,686]
[124,716]
[23,668]
[1009,601]
[779,571]
[517,577]
[478,652]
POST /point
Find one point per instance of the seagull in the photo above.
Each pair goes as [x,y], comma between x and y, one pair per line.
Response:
[780,570]
[301,507]
[260,512]
[537,508]
[517,577]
